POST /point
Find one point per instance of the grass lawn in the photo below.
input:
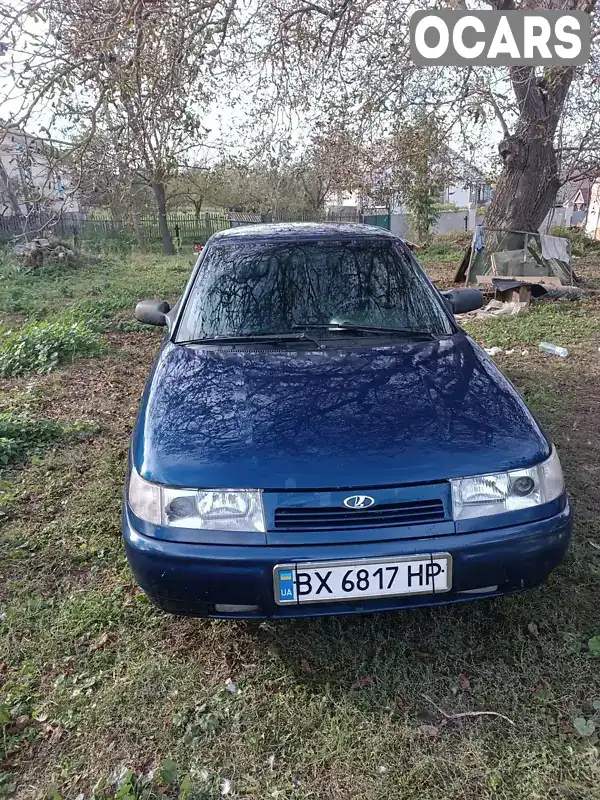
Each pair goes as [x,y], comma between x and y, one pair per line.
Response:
[101,694]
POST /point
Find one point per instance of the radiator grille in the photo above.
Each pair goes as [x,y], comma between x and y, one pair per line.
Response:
[379,516]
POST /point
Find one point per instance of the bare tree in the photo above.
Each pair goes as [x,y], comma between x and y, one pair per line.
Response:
[154,66]
[195,186]
[144,71]
[8,192]
[110,181]
[336,55]
[334,162]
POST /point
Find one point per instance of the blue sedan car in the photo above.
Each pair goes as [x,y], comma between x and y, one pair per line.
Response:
[318,436]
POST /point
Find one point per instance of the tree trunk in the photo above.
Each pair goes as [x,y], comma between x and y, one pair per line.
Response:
[137,228]
[161,204]
[530,176]
[9,192]
[528,183]
[197,209]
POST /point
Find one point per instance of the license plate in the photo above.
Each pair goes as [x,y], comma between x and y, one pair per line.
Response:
[334,581]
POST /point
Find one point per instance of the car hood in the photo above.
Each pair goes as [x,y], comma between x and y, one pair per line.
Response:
[364,416]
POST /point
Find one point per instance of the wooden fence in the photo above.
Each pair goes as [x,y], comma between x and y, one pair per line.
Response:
[145,229]
[187,229]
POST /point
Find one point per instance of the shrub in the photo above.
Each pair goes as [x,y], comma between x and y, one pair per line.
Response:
[450,207]
[101,242]
[41,346]
[456,239]
[21,435]
[447,245]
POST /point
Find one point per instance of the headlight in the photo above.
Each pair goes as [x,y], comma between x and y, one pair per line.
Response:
[212,509]
[507,491]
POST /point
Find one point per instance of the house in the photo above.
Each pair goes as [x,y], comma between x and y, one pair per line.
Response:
[474,190]
[575,193]
[592,222]
[32,178]
[571,205]
[477,191]
[580,200]
[471,188]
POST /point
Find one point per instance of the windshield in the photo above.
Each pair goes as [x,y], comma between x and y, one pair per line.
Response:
[278,287]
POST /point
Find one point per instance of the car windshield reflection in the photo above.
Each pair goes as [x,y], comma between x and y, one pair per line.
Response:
[280,287]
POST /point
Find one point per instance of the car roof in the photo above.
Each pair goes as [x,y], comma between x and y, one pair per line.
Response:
[285,231]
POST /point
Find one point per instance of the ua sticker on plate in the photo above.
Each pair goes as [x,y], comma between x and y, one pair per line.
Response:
[287,586]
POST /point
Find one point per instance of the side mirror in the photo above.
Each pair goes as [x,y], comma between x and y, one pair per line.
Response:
[152,312]
[459,301]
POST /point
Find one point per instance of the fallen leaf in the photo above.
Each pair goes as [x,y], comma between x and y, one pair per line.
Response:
[169,771]
[584,727]
[20,723]
[305,667]
[541,690]
[57,734]
[594,646]
[364,680]
[100,641]
[463,680]
[431,731]
[2,667]
[533,630]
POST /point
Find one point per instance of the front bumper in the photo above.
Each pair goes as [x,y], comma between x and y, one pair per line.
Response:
[190,579]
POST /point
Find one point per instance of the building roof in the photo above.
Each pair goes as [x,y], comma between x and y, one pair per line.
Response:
[569,191]
[243,216]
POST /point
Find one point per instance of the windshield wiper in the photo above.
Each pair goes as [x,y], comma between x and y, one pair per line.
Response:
[352,328]
[255,337]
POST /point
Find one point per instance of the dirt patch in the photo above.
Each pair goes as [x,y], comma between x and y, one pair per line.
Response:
[104,391]
[441,272]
